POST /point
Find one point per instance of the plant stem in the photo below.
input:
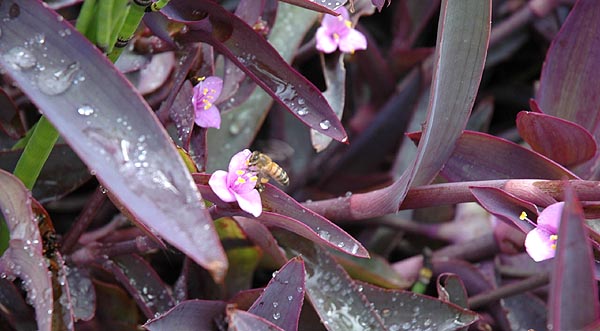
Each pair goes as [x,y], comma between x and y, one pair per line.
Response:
[519,287]
[36,152]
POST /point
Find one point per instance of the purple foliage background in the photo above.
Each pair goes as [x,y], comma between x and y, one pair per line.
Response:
[411,166]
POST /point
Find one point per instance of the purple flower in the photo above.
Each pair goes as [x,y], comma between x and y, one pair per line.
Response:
[206,114]
[337,31]
[238,184]
[540,242]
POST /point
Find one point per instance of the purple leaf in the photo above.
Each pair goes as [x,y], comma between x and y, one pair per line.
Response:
[450,288]
[568,87]
[505,206]
[24,258]
[182,113]
[145,285]
[554,138]
[463,35]
[284,212]
[110,127]
[480,156]
[337,299]
[573,301]
[63,172]
[282,299]
[18,314]
[189,315]
[232,37]
[322,6]
[240,320]
[526,309]
[278,202]
[417,312]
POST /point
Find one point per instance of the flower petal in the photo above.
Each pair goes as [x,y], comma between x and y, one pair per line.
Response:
[209,118]
[325,43]
[218,183]
[334,23]
[250,202]
[550,217]
[353,41]
[214,85]
[539,245]
[239,161]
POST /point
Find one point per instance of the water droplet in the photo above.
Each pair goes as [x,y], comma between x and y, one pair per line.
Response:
[290,298]
[302,112]
[54,82]
[276,316]
[325,124]
[85,110]
[20,58]
[324,234]
[40,38]
[348,194]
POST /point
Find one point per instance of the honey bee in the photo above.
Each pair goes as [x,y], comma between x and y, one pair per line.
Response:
[266,168]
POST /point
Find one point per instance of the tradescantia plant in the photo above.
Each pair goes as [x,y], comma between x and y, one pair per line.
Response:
[133,194]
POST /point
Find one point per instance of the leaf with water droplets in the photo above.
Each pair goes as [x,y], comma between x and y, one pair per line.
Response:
[150,292]
[240,320]
[337,299]
[189,315]
[281,300]
[232,37]
[24,258]
[109,125]
[405,310]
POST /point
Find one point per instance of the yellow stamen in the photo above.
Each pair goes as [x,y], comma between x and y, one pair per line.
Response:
[240,180]
[523,216]
[336,36]
[554,238]
[348,23]
[253,178]
[239,172]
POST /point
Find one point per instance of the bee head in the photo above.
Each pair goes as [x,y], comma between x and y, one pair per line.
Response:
[254,157]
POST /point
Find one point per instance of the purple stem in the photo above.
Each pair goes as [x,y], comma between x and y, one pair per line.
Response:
[83,221]
[511,289]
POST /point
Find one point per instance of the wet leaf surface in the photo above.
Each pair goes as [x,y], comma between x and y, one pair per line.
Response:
[109,126]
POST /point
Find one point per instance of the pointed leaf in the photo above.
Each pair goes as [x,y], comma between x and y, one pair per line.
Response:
[451,289]
[232,37]
[480,156]
[461,48]
[240,320]
[110,127]
[24,258]
[148,289]
[282,299]
[244,121]
[189,315]
[337,299]
[417,312]
[573,301]
[568,85]
[281,210]
[505,206]
[554,138]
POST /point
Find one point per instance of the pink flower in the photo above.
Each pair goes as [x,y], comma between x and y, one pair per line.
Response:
[540,242]
[337,31]
[206,114]
[238,184]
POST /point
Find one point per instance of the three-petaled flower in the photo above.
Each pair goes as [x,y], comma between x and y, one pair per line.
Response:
[238,184]
[337,31]
[540,242]
[206,92]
